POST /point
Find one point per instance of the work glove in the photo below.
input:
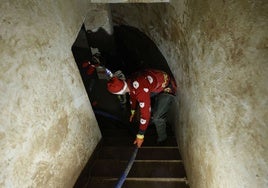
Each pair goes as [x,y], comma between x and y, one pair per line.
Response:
[139,140]
[132,115]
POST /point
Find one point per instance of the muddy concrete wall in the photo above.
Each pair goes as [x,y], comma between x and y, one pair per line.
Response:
[47,127]
[128,1]
[218,53]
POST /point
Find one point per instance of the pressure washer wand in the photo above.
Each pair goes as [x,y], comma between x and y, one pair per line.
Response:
[125,173]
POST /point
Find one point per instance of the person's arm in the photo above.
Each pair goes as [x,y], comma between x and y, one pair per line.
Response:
[133,103]
[145,114]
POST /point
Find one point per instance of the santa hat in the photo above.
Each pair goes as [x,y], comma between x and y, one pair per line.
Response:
[116,85]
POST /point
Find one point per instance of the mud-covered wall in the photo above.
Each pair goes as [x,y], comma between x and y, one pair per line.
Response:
[217,51]
[128,1]
[47,127]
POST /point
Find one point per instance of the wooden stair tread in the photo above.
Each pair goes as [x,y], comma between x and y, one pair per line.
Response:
[139,183]
[161,169]
[111,131]
[128,141]
[144,153]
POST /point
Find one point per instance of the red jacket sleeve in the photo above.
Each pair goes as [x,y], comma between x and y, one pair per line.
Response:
[133,102]
[144,101]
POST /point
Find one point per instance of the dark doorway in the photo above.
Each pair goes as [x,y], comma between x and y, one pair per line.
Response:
[128,50]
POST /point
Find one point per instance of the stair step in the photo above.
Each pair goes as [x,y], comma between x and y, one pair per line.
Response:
[108,123]
[144,153]
[156,169]
[128,141]
[126,132]
[116,132]
[139,183]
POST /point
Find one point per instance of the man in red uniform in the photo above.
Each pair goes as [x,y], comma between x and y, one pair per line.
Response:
[141,86]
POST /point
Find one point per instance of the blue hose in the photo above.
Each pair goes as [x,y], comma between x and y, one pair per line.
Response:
[125,173]
[131,161]
[108,115]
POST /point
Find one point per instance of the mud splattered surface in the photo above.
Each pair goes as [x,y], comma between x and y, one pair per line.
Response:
[216,51]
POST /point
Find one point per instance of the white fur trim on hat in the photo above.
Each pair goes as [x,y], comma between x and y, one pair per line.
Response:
[122,90]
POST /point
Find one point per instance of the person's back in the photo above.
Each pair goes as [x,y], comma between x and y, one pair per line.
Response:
[141,86]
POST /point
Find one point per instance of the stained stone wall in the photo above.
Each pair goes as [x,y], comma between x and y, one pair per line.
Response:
[129,1]
[47,127]
[99,16]
[217,51]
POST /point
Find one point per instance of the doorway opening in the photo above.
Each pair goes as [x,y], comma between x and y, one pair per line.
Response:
[128,50]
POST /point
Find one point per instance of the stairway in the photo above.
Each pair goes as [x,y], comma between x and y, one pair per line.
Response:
[155,166]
